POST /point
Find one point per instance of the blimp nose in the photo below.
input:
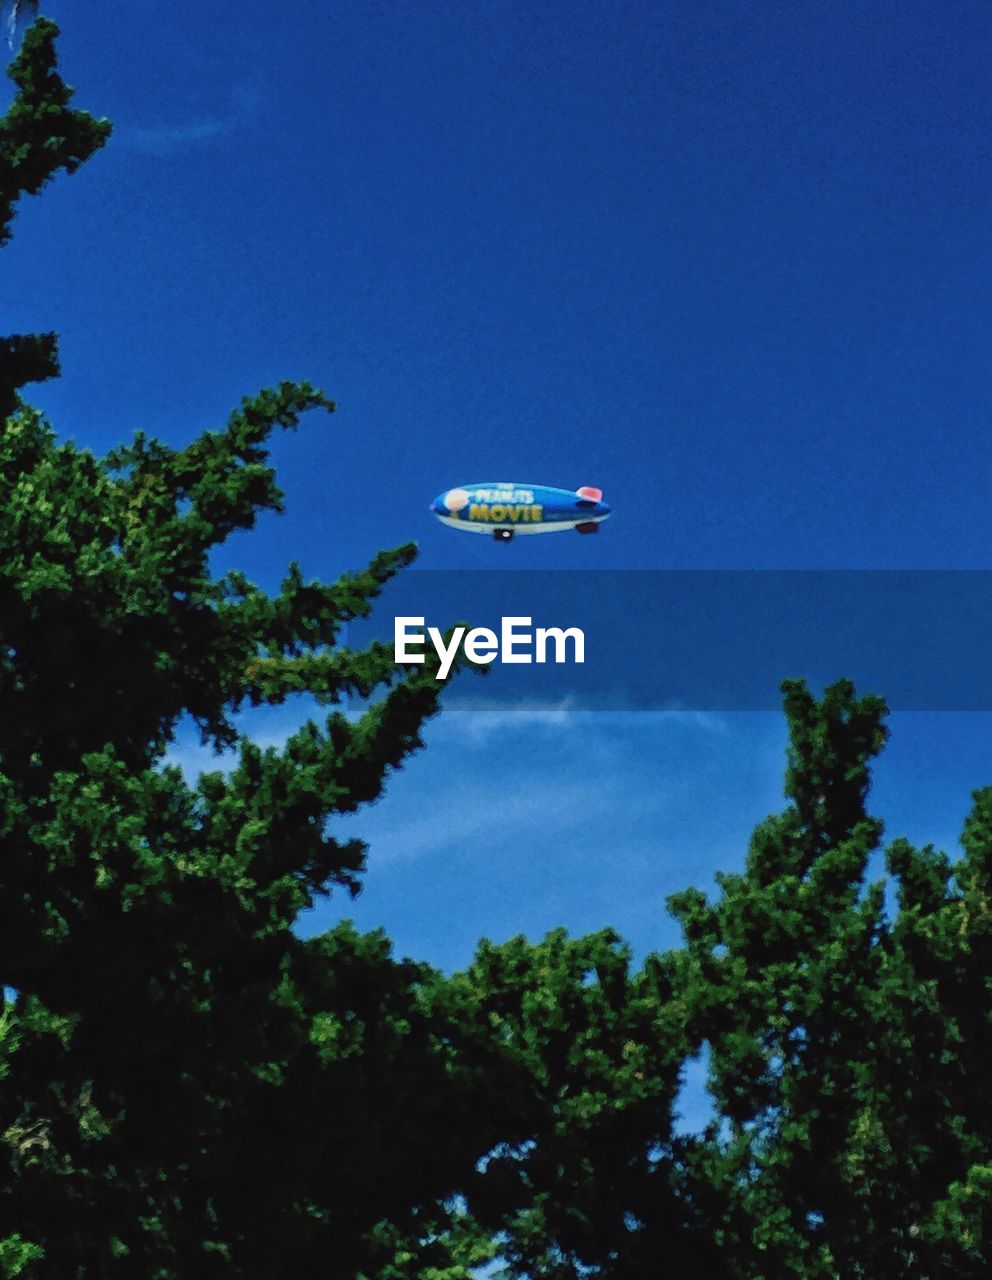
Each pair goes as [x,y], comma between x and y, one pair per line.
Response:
[437,506]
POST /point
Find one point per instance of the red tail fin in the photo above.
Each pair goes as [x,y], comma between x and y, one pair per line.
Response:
[587,491]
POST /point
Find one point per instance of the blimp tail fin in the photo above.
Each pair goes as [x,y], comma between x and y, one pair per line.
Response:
[589,526]
[590,492]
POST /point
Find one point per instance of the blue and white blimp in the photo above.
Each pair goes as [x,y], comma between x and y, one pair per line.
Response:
[502,509]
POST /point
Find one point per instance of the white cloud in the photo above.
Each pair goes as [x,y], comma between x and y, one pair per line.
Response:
[478,722]
[476,815]
[163,139]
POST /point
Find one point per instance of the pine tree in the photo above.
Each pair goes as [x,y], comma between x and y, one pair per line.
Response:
[188,1088]
[849,1029]
[845,1020]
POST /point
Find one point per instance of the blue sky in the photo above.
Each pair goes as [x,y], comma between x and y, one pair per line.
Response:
[733,257]
[728,261]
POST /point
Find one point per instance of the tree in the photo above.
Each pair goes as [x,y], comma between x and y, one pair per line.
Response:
[40,135]
[167,1040]
[781,981]
[849,1055]
[582,1061]
[850,1045]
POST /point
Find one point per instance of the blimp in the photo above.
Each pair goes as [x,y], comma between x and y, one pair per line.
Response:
[503,510]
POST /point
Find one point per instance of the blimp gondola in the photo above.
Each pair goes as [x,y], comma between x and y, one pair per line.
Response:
[503,510]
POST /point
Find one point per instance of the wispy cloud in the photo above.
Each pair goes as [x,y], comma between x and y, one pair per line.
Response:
[170,136]
[546,815]
[540,766]
[479,722]
[477,726]
[471,814]
[166,138]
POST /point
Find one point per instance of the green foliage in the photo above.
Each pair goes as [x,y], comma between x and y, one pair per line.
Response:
[15,1256]
[848,1050]
[170,1040]
[582,1060]
[40,134]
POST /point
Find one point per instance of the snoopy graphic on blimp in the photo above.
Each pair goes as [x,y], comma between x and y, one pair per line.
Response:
[503,510]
